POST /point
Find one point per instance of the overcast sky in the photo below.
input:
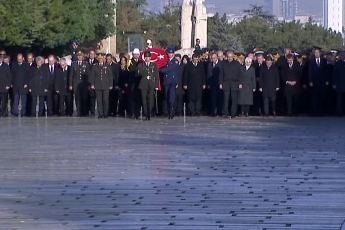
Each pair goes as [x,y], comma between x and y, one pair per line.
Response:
[311,7]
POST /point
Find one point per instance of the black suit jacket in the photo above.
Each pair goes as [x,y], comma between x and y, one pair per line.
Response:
[5,77]
[292,74]
[213,74]
[62,80]
[52,76]
[230,76]
[20,77]
[317,75]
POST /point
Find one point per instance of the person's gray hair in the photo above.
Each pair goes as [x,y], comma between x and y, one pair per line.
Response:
[248,59]
[39,58]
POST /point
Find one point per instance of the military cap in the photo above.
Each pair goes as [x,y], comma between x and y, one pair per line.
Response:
[147,54]
[80,53]
[75,42]
[170,50]
[100,56]
[241,56]
[269,58]
[259,52]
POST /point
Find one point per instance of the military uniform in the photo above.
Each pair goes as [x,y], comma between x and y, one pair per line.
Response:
[79,80]
[102,81]
[149,79]
[170,81]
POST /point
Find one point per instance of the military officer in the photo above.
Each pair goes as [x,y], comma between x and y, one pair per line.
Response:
[171,73]
[79,83]
[149,79]
[102,82]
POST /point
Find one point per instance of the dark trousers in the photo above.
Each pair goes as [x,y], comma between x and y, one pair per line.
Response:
[216,100]
[317,102]
[267,101]
[28,104]
[81,94]
[292,104]
[51,103]
[135,102]
[40,105]
[3,101]
[15,109]
[340,102]
[170,98]
[102,102]
[179,104]
[64,104]
[245,109]
[258,103]
[113,101]
[92,101]
[147,96]
[234,101]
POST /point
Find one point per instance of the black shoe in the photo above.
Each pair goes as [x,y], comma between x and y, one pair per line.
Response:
[100,117]
[105,117]
[233,117]
[147,118]
[247,115]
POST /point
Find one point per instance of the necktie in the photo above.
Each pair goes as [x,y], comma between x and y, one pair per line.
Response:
[290,66]
[318,62]
[79,62]
[214,65]
[51,69]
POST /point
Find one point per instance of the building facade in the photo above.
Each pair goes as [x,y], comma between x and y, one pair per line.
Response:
[333,13]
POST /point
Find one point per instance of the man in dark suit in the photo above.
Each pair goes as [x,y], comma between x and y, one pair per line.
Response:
[194,81]
[92,94]
[5,83]
[62,89]
[51,96]
[114,94]
[269,84]
[79,83]
[149,79]
[214,71]
[30,60]
[317,82]
[20,78]
[291,76]
[229,83]
[339,82]
[134,99]
[102,81]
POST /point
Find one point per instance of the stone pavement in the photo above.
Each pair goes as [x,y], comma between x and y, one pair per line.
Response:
[204,174]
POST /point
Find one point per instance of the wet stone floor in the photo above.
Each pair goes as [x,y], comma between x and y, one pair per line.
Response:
[198,174]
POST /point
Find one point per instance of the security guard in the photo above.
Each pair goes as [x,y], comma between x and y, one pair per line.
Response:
[101,80]
[171,72]
[79,83]
[149,80]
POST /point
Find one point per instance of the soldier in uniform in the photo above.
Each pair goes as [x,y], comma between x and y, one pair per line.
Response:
[38,86]
[170,81]
[79,83]
[101,79]
[149,79]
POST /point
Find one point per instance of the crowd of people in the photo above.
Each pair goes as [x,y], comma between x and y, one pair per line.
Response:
[210,83]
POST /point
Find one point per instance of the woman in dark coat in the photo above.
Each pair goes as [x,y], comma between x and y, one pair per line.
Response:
[125,82]
[180,92]
[247,87]
[38,86]
[269,85]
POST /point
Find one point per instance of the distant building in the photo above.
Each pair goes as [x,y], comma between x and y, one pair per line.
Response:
[282,9]
[333,12]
